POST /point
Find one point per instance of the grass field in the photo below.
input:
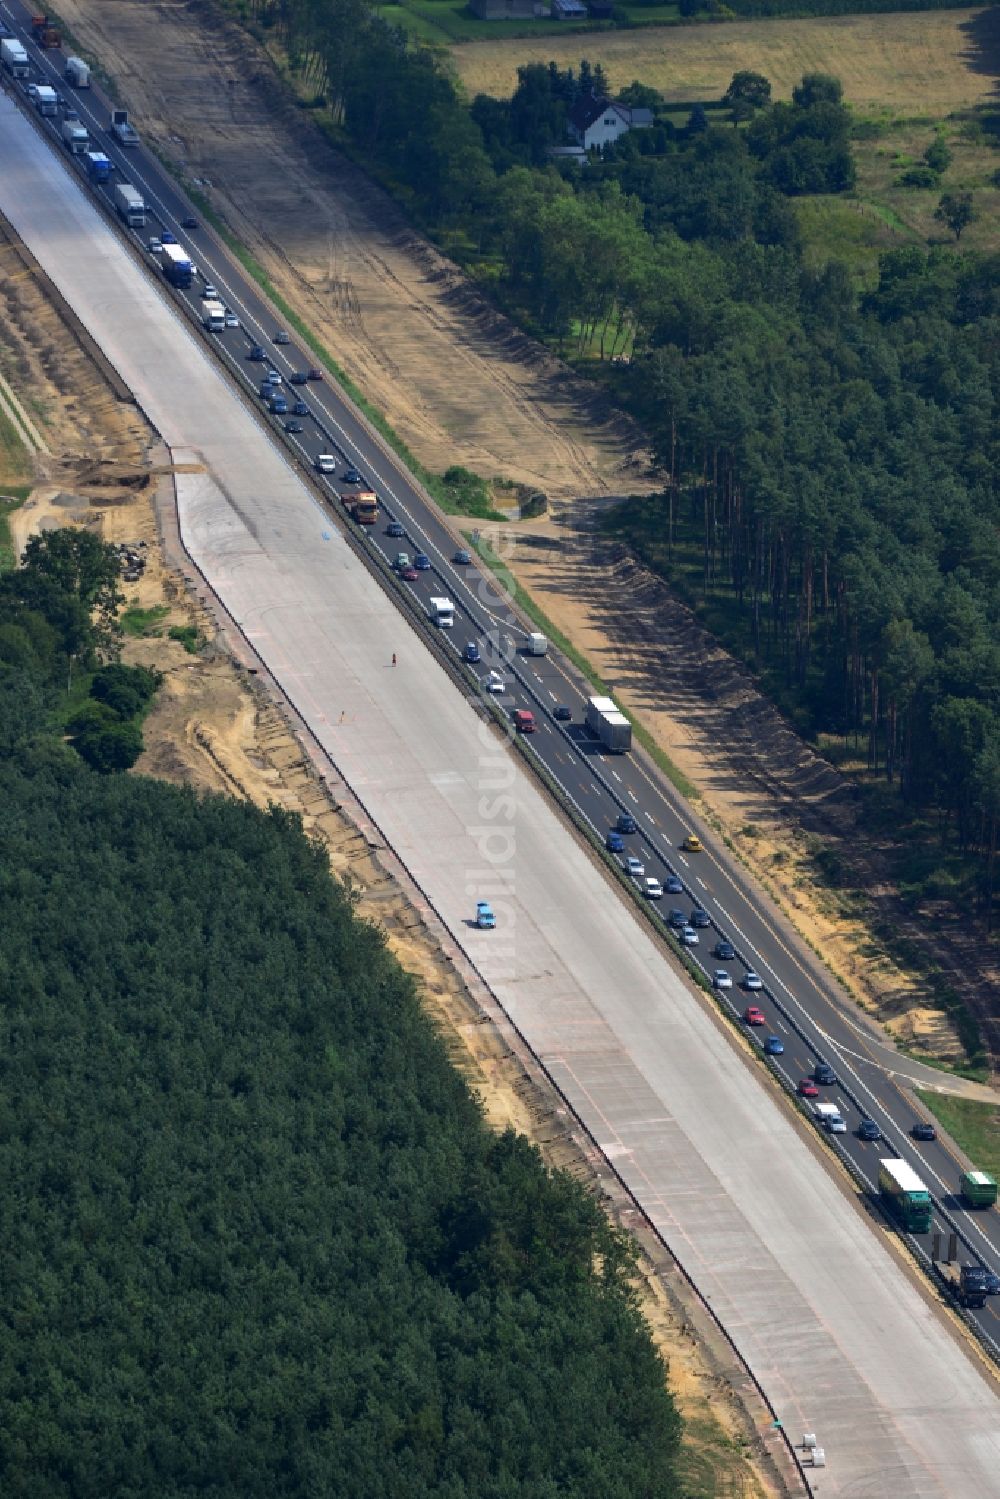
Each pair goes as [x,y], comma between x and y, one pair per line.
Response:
[446,21]
[976,1127]
[931,62]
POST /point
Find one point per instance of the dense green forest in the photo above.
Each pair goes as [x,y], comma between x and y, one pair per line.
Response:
[256,1237]
[829,453]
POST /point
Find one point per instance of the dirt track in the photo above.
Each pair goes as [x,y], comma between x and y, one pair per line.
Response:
[457,382]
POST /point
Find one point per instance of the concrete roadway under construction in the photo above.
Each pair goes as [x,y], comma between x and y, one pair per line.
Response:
[842,1339]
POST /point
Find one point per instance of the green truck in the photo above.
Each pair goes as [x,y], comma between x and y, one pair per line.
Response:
[905,1197]
[978,1189]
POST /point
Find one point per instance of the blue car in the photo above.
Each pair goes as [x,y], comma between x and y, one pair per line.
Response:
[484,915]
[461,558]
[421,562]
[472,651]
[166,238]
[774,1047]
[395,528]
[256,352]
[614,842]
[300,408]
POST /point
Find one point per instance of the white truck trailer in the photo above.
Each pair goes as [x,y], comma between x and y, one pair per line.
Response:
[130,205]
[14,58]
[213,315]
[77,72]
[75,137]
[46,100]
[609,725]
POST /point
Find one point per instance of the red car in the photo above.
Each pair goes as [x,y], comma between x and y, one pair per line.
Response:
[753,1016]
[314,374]
[409,574]
[808,1089]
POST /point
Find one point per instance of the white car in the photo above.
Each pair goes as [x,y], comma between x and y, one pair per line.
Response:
[209,293]
[751,982]
[494,682]
[689,937]
[653,890]
[232,321]
[721,979]
[326,463]
[155,247]
[634,868]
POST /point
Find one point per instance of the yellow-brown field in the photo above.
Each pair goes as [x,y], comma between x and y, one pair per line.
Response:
[927,63]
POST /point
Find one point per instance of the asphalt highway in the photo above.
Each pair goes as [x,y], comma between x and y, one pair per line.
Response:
[803,1007]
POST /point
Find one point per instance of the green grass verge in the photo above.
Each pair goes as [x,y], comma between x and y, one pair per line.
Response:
[14,496]
[188,636]
[973,1126]
[433,483]
[142,623]
[527,605]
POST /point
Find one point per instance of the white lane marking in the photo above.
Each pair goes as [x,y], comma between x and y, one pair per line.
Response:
[701,882]
[616,775]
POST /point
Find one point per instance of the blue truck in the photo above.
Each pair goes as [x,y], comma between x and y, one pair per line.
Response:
[98,166]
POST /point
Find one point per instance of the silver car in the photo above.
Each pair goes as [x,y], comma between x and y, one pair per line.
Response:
[721,979]
[689,936]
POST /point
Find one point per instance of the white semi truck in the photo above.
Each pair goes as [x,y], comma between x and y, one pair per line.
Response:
[75,137]
[130,205]
[46,100]
[77,72]
[14,58]
[213,315]
[609,725]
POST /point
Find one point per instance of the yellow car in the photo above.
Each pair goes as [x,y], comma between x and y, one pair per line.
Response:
[691,844]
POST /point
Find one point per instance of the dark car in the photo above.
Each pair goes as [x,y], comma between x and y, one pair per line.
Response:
[700,918]
[677,919]
[166,238]
[471,651]
[294,427]
[190,222]
[725,951]
[421,561]
[869,1130]
[315,374]
[923,1131]
[395,528]
[461,558]
[351,476]
[256,352]
[281,337]
[300,408]
[298,377]
[614,842]
[673,885]
[626,823]
[823,1073]
[561,713]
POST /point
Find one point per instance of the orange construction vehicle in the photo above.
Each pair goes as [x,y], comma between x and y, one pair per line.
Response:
[45,34]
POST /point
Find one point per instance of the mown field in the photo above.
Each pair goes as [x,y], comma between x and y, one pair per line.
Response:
[930,62]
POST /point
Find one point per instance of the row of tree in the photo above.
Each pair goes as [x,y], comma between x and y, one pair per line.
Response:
[257,1238]
[832,456]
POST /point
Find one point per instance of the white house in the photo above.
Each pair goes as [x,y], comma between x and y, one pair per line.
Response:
[594,123]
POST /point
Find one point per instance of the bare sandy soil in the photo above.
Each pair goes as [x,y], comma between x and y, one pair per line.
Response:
[456,381]
[927,63]
[762,787]
[213,729]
